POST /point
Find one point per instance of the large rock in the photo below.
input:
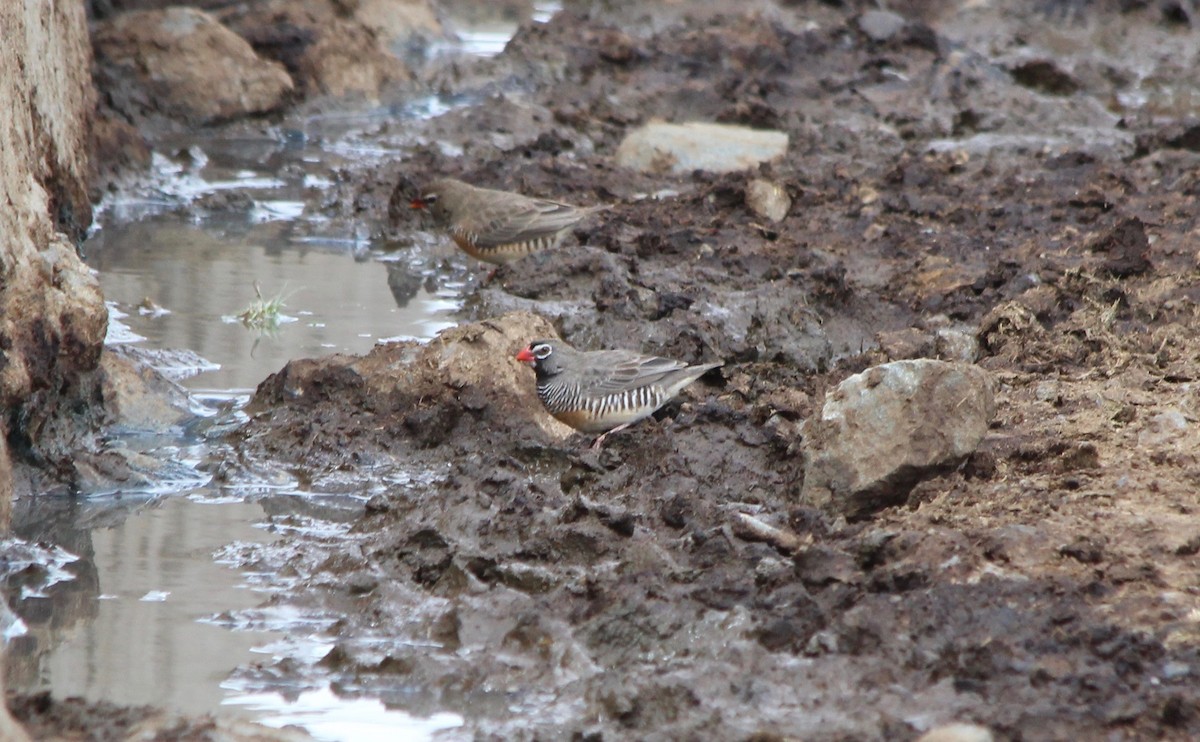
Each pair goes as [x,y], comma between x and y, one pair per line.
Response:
[182,63]
[52,317]
[394,22]
[681,148]
[882,431]
[336,48]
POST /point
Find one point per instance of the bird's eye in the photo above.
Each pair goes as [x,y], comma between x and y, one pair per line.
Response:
[542,351]
[429,199]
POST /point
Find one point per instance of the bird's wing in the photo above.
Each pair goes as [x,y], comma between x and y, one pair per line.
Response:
[530,219]
[618,371]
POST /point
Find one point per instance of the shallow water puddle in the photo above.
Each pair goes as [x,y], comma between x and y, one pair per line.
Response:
[183,286]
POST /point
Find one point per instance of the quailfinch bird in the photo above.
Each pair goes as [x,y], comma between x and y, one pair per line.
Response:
[498,227]
[604,391]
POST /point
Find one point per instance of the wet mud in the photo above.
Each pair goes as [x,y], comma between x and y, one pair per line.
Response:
[1003,171]
[1044,589]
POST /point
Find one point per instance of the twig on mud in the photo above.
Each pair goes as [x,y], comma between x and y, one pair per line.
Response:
[749,528]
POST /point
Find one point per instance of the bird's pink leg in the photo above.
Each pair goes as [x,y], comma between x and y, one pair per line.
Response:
[600,441]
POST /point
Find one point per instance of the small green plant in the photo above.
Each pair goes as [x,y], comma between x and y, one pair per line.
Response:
[263,313]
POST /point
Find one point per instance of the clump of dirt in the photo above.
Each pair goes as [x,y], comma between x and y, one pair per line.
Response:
[74,718]
[973,171]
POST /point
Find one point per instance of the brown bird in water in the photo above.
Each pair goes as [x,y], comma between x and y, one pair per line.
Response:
[498,226]
[604,391]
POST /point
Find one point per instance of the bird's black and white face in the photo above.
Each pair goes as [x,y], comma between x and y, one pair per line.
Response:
[540,355]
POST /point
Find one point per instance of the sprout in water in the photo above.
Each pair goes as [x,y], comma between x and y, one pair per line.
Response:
[264,313]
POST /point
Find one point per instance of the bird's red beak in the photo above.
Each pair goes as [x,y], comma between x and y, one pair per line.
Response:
[417,203]
[526,356]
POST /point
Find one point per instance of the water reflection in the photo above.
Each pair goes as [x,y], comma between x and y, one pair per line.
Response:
[127,628]
[404,283]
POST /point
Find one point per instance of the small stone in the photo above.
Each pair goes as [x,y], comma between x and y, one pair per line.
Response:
[1044,76]
[881,25]
[1174,670]
[866,195]
[379,503]
[957,733]
[767,199]
[822,642]
[956,345]
[1166,427]
[771,570]
[660,147]
[361,583]
[1047,391]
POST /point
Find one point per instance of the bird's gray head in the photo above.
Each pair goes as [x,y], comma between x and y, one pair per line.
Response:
[545,357]
[441,198]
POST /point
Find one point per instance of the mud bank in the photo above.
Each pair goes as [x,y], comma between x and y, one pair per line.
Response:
[1013,184]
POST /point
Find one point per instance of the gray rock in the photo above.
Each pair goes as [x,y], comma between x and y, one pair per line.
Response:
[881,25]
[1166,428]
[882,431]
[681,148]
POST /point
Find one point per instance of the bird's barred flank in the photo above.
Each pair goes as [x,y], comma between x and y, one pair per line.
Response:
[560,398]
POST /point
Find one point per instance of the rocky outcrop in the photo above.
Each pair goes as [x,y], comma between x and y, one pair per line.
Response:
[52,316]
[336,48]
[182,63]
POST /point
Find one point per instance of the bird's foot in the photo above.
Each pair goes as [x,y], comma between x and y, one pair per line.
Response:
[600,441]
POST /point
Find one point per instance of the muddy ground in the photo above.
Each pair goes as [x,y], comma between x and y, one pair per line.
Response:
[1027,172]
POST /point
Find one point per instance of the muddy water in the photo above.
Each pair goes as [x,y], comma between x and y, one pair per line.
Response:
[135,599]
